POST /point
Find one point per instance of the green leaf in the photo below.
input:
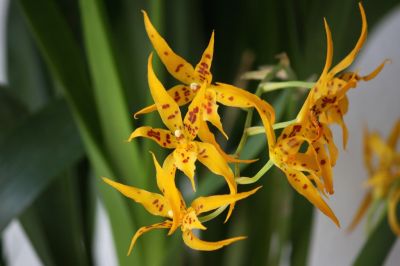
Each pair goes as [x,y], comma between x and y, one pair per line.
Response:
[65,60]
[50,144]
[378,244]
[58,212]
[109,95]
[26,74]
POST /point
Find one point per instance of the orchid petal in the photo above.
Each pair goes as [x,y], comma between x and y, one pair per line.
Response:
[163,137]
[194,114]
[212,159]
[351,56]
[205,204]
[154,203]
[182,94]
[193,242]
[206,136]
[202,70]
[145,229]
[210,111]
[176,65]
[366,202]
[235,97]
[166,184]
[167,108]
[304,186]
[185,158]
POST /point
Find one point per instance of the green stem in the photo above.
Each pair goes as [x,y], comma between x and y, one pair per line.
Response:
[250,180]
[212,215]
[249,116]
[271,86]
[251,131]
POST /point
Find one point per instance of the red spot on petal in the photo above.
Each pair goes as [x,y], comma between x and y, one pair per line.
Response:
[323,162]
[165,106]
[230,98]
[305,186]
[166,53]
[178,67]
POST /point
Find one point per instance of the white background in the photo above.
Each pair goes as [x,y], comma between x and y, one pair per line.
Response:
[375,104]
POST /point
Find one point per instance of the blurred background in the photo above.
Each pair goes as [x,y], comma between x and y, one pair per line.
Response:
[73,72]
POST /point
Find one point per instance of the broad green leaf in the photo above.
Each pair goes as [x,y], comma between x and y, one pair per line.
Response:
[65,60]
[12,111]
[59,215]
[33,154]
[26,74]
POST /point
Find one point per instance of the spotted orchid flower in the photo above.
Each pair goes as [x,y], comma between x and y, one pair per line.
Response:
[327,101]
[326,104]
[195,78]
[185,217]
[384,175]
[181,134]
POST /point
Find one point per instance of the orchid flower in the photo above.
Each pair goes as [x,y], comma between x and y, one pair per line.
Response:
[165,204]
[181,134]
[195,78]
[384,176]
[326,104]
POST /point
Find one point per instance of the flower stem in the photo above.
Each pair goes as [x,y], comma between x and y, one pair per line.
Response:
[250,180]
[251,131]
[271,86]
[249,116]
[212,215]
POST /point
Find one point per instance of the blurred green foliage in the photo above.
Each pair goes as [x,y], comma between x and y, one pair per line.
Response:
[77,71]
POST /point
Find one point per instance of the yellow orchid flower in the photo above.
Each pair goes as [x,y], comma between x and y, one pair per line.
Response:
[384,176]
[186,218]
[327,101]
[195,78]
[326,104]
[181,134]
[302,169]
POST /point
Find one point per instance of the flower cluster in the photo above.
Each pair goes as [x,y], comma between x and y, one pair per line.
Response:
[190,139]
[325,104]
[383,164]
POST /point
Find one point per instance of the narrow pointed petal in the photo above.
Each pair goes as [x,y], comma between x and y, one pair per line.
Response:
[182,94]
[202,70]
[205,135]
[145,229]
[329,49]
[351,56]
[194,114]
[163,137]
[210,157]
[194,243]
[304,186]
[166,184]
[333,150]
[154,203]
[232,96]
[325,166]
[205,204]
[392,212]
[176,65]
[366,202]
[210,111]
[167,108]
[305,163]
[185,158]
